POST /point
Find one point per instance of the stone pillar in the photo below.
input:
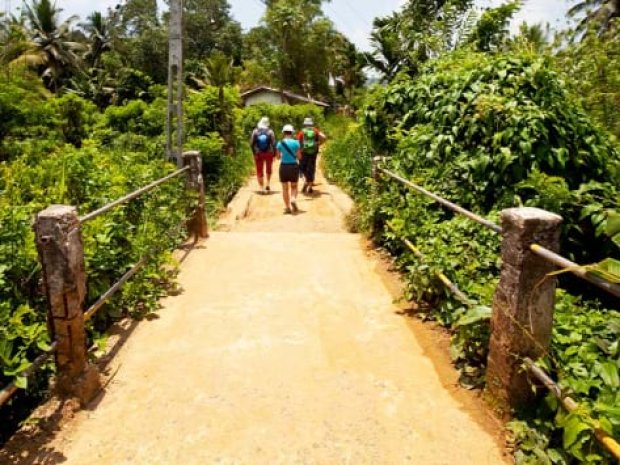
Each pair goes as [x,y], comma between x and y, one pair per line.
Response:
[59,243]
[198,223]
[376,160]
[523,305]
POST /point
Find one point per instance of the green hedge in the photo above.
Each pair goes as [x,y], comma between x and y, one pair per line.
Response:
[112,154]
[491,132]
[279,115]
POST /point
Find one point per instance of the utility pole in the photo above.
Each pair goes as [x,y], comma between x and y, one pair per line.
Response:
[174,127]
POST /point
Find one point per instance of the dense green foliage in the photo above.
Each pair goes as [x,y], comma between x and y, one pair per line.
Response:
[125,50]
[279,116]
[593,70]
[491,132]
[80,157]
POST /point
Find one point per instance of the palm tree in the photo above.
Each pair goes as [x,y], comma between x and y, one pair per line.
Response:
[97,28]
[51,50]
[13,40]
[219,72]
[387,55]
[598,13]
[535,37]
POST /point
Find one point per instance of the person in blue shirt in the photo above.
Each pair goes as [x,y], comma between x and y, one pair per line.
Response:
[289,154]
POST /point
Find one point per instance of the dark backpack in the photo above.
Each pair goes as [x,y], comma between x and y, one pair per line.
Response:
[310,142]
[263,140]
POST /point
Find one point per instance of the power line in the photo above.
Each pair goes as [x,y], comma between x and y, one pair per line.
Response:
[338,17]
[357,13]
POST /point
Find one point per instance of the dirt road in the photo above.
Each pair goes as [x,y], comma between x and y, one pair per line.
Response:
[284,348]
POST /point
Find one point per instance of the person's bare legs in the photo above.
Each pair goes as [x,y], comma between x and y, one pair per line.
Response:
[286,195]
[294,197]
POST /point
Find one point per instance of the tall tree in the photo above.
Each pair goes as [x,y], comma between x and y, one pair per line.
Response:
[99,37]
[416,33]
[596,13]
[491,32]
[347,66]
[145,38]
[14,40]
[298,43]
[138,16]
[209,26]
[52,50]
[387,56]
[534,37]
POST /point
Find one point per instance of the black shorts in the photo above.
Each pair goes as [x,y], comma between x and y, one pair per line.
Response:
[289,173]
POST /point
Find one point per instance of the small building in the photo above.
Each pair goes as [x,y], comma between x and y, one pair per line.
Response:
[277,97]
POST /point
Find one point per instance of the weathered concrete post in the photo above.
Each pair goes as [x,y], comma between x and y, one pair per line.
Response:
[376,160]
[198,223]
[59,243]
[174,123]
[523,305]
[377,226]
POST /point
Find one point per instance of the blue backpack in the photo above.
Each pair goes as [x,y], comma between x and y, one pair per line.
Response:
[263,141]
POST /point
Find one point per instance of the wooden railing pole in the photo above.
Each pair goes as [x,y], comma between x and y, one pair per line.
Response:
[61,253]
[198,223]
[522,317]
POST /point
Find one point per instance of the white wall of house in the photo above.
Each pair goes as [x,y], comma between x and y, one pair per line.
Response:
[264,97]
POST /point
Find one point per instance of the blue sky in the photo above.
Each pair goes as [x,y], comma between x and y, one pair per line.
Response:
[352,17]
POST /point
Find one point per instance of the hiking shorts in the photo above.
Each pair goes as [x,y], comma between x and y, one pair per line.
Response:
[307,165]
[263,161]
[289,172]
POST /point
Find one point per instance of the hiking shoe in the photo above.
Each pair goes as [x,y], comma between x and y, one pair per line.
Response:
[295,208]
[287,211]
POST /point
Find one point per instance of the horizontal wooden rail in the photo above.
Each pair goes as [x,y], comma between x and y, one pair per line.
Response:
[107,295]
[498,353]
[11,389]
[114,289]
[543,252]
[569,404]
[575,269]
[106,208]
[446,203]
[441,276]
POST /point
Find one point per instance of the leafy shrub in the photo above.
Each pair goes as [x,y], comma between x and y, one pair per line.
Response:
[204,111]
[136,117]
[125,118]
[492,132]
[133,84]
[348,160]
[126,153]
[23,114]
[76,117]
[474,127]
[279,115]
[223,174]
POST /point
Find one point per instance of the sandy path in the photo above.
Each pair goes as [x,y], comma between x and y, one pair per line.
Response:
[284,348]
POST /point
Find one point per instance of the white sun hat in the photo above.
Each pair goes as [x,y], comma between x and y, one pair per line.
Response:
[263,123]
[308,122]
[288,128]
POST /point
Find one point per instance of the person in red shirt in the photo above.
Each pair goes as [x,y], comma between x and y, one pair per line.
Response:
[263,142]
[310,139]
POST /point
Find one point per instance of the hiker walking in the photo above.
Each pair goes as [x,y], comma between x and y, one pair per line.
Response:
[310,139]
[289,153]
[263,143]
